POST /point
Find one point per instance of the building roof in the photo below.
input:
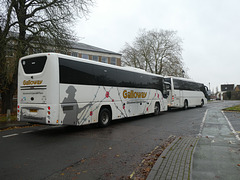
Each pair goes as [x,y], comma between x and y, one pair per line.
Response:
[86,47]
[80,46]
[237,87]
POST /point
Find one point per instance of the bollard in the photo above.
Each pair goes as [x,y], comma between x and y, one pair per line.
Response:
[8,115]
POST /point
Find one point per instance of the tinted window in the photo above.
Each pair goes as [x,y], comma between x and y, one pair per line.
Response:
[72,72]
[186,85]
[75,72]
[176,84]
[167,80]
[34,65]
[104,75]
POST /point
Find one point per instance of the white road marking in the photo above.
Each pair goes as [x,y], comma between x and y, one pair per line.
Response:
[203,121]
[10,135]
[231,127]
[25,132]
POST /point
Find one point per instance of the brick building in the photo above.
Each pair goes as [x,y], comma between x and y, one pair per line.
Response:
[78,50]
[94,53]
[229,92]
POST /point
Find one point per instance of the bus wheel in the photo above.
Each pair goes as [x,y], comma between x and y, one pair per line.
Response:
[202,103]
[185,105]
[104,117]
[156,109]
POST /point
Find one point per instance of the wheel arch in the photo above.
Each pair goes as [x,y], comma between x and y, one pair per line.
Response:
[107,107]
[158,104]
[202,103]
[185,106]
[104,116]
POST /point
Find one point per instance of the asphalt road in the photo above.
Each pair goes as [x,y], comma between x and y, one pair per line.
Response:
[89,152]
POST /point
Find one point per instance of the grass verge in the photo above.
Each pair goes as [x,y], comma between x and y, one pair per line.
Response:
[234,108]
[3,118]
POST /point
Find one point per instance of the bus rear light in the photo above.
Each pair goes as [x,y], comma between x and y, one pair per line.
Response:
[172,97]
[18,109]
[57,121]
[49,108]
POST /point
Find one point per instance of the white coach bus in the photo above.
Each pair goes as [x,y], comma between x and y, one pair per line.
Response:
[184,93]
[60,89]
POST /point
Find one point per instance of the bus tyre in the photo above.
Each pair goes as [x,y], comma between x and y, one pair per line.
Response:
[104,117]
[156,109]
[185,105]
[202,103]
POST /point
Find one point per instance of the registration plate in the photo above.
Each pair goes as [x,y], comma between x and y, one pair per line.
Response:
[33,110]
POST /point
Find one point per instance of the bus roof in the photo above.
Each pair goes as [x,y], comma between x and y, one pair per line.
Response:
[181,78]
[127,68]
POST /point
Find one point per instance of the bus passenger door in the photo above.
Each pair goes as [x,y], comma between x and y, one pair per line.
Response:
[167,93]
[181,98]
[178,96]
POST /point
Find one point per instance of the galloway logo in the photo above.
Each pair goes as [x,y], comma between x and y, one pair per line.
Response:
[132,94]
[29,82]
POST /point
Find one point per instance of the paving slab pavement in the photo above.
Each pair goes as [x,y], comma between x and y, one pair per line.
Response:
[175,161]
[213,154]
[217,154]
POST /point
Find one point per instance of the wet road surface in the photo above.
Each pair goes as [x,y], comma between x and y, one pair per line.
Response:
[89,152]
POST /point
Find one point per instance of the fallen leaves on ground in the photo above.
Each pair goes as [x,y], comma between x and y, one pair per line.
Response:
[149,160]
[19,127]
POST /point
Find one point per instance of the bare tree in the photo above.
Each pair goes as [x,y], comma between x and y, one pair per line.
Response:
[5,72]
[36,24]
[133,57]
[156,51]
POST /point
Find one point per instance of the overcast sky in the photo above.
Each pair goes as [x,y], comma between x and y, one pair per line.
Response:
[210,30]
